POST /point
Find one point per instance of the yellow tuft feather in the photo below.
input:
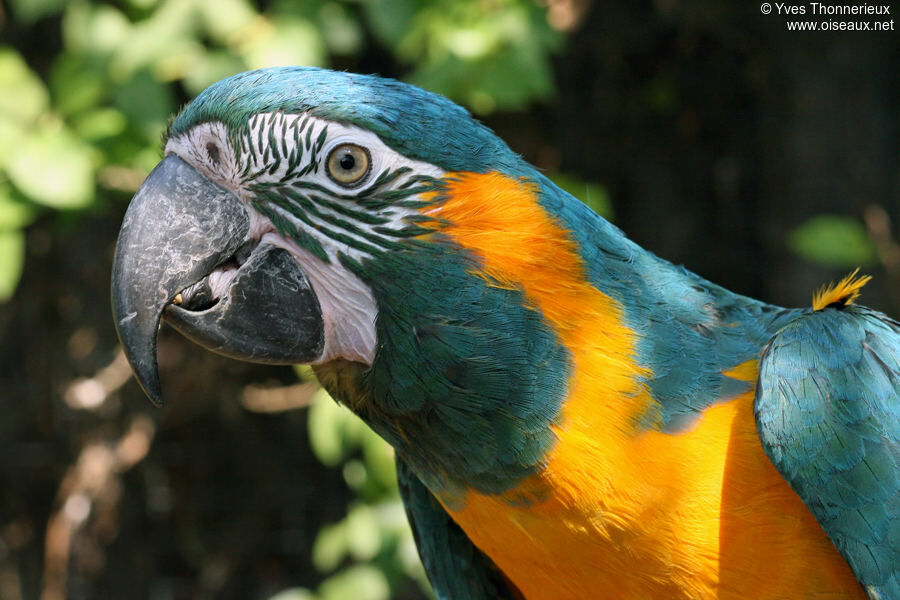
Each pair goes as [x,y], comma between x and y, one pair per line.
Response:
[842,293]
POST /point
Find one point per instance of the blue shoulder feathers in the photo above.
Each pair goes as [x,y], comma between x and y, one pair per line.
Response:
[828,415]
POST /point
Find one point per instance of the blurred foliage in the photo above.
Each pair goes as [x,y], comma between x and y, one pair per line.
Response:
[834,241]
[472,51]
[92,122]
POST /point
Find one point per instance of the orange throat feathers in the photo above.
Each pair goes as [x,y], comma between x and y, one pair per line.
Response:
[618,511]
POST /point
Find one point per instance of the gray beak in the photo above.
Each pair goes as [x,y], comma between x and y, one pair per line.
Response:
[178,230]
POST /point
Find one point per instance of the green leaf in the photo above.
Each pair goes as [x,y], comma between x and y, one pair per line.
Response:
[294,594]
[355,475]
[30,11]
[166,42]
[333,430]
[22,94]
[330,547]
[143,4]
[99,124]
[379,458]
[53,168]
[77,82]
[169,34]
[363,533]
[487,56]
[473,42]
[224,19]
[324,429]
[146,103]
[290,41]
[389,20]
[11,135]
[209,67]
[501,77]
[14,213]
[95,30]
[361,582]
[305,372]
[12,258]
[833,241]
[341,31]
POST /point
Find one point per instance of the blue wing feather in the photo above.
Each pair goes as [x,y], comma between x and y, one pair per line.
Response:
[828,413]
[456,568]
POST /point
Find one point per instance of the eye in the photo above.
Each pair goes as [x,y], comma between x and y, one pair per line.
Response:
[348,164]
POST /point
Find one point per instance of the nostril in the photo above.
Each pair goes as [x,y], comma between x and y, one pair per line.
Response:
[213,151]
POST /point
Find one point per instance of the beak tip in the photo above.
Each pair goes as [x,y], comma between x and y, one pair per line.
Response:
[155,397]
[139,344]
[146,373]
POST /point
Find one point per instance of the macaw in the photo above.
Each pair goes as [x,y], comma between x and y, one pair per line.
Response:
[573,417]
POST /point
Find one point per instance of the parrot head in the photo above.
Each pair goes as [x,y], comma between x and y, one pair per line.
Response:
[299,216]
[273,182]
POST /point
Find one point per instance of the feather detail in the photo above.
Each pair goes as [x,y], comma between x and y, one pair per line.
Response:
[840,294]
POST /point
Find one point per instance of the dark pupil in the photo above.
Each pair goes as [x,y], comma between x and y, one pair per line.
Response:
[348,162]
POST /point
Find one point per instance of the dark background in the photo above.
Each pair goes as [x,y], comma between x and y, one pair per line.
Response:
[764,159]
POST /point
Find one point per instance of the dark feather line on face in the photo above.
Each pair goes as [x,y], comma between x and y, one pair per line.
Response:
[385,177]
[362,216]
[426,179]
[295,157]
[289,230]
[308,141]
[273,143]
[286,126]
[322,137]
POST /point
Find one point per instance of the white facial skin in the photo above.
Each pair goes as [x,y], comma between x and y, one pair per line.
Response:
[348,307]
